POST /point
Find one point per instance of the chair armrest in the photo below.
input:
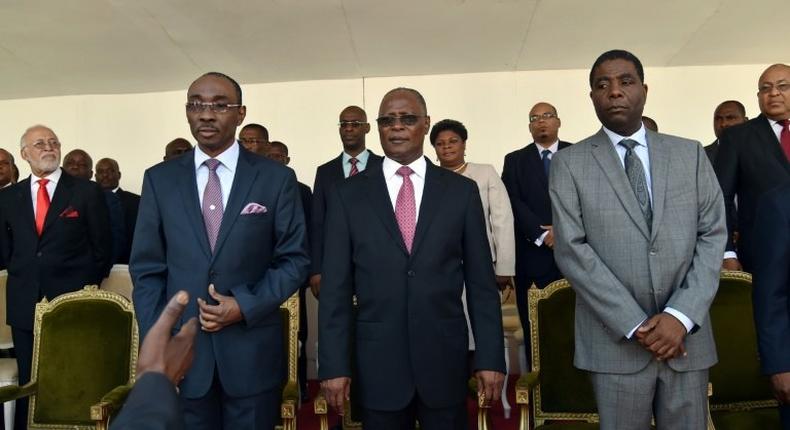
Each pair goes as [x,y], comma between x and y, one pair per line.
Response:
[111,403]
[13,392]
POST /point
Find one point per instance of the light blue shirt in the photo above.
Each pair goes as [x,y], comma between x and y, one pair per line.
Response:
[226,171]
[639,137]
[362,162]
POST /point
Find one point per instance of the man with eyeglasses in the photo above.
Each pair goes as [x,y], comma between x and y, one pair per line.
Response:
[423,238]
[54,239]
[753,158]
[255,138]
[176,147]
[355,158]
[226,226]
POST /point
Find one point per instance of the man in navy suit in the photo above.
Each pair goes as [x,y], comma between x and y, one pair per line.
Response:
[423,239]
[353,126]
[226,226]
[526,177]
[772,292]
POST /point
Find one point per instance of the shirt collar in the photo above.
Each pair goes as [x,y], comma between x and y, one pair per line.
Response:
[639,137]
[390,167]
[362,157]
[553,148]
[53,177]
[229,157]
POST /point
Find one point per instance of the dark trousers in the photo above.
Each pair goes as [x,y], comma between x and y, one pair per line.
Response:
[452,418]
[23,347]
[217,410]
[784,413]
[523,284]
[301,363]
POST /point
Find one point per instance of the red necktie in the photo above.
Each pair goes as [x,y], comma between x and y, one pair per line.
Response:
[406,207]
[784,137]
[42,205]
[354,169]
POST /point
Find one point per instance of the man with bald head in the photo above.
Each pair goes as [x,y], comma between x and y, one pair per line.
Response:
[54,239]
[525,174]
[255,138]
[423,238]
[353,126]
[108,176]
[79,164]
[727,114]
[6,168]
[176,147]
[753,158]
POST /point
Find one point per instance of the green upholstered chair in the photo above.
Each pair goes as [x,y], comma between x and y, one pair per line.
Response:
[742,397]
[84,358]
[290,399]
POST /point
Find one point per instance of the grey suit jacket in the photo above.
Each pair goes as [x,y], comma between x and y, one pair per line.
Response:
[624,273]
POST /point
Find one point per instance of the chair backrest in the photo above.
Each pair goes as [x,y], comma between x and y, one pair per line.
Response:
[119,281]
[564,392]
[737,381]
[85,345]
[5,330]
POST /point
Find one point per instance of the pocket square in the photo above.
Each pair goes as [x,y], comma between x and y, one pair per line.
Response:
[253,208]
[70,212]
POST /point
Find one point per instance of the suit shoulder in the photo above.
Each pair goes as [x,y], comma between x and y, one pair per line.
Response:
[519,152]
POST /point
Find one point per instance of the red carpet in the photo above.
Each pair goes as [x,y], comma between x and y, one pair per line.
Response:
[307,421]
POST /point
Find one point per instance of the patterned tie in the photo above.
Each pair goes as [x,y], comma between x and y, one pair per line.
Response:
[784,137]
[354,169]
[42,205]
[212,202]
[546,161]
[406,207]
[636,175]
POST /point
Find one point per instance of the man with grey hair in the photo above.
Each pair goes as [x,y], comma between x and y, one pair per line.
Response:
[54,239]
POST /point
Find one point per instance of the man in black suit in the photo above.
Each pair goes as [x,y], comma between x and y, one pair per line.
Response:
[423,239]
[525,174]
[255,138]
[6,169]
[753,158]
[55,239]
[108,175]
[354,159]
[772,292]
[176,147]
[79,164]
[727,114]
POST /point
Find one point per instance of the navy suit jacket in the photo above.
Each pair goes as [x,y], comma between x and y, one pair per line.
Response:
[772,280]
[130,202]
[259,259]
[409,331]
[528,188]
[152,405]
[74,249]
[326,175]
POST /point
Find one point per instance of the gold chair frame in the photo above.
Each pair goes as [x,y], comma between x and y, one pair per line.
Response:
[288,407]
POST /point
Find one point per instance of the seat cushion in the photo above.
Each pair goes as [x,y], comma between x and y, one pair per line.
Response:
[766,418]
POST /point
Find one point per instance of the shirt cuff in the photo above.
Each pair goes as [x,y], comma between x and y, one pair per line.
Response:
[631,333]
[539,241]
[730,254]
[682,318]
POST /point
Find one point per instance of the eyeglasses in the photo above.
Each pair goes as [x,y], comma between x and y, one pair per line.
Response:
[195,107]
[49,144]
[783,87]
[352,124]
[545,115]
[406,120]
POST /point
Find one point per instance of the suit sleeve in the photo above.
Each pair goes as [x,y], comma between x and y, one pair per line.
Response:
[482,296]
[501,217]
[152,405]
[148,260]
[699,287]
[726,167]
[289,264]
[317,230]
[595,285]
[771,294]
[524,216]
[335,316]
[99,231]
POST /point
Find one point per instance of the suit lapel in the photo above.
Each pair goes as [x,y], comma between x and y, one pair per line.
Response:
[607,158]
[337,169]
[63,192]
[773,147]
[659,174]
[379,197]
[187,183]
[242,183]
[432,194]
[26,203]
[536,163]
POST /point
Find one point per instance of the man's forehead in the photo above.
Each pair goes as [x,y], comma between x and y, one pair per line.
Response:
[251,132]
[542,107]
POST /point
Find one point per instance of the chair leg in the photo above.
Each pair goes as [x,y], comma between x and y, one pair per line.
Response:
[505,404]
[483,408]
[320,409]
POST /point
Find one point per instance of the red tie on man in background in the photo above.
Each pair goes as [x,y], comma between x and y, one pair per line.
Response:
[42,205]
[354,169]
[784,137]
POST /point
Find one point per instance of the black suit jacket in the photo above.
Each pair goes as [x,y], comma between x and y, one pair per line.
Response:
[750,162]
[528,188]
[409,331]
[152,405]
[772,280]
[130,202]
[73,251]
[712,151]
[325,176]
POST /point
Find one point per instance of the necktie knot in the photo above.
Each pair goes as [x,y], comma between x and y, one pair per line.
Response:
[353,161]
[545,153]
[784,122]
[629,144]
[404,171]
[212,164]
[43,182]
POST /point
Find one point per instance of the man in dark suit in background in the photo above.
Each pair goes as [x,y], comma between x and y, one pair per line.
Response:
[526,177]
[79,164]
[255,138]
[226,226]
[423,239]
[55,239]
[772,292]
[176,147]
[355,158]
[753,158]
[108,175]
[6,169]
[727,114]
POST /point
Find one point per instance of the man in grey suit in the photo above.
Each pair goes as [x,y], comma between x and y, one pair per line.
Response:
[639,231]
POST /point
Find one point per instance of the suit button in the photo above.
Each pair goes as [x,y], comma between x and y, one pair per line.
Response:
[410,273]
[653,251]
[39,254]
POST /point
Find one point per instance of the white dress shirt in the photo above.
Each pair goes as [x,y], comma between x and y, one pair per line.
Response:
[777,128]
[226,171]
[394,180]
[362,162]
[553,150]
[53,177]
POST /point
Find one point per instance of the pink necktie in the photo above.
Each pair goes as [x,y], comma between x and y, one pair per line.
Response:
[406,208]
[354,169]
[784,137]
[212,202]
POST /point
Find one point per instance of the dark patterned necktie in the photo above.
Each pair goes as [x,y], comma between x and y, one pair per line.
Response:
[212,202]
[406,207]
[546,161]
[354,170]
[784,137]
[636,176]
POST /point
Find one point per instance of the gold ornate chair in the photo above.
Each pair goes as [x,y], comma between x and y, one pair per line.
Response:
[119,281]
[85,346]
[290,400]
